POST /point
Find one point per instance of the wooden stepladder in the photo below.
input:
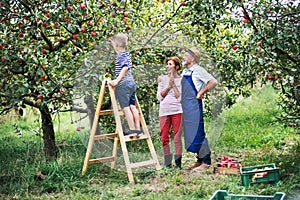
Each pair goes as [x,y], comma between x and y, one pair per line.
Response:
[118,136]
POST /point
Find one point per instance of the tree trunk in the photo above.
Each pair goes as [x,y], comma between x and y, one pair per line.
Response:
[50,148]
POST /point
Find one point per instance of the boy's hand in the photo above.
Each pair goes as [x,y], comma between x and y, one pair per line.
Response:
[113,83]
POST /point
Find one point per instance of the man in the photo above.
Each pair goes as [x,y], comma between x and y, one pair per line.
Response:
[196,81]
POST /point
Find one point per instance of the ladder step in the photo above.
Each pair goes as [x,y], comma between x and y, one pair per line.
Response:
[134,138]
[105,136]
[105,112]
[108,112]
[143,163]
[99,160]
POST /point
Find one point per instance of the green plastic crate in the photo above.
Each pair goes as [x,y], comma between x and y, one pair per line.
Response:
[261,175]
[223,195]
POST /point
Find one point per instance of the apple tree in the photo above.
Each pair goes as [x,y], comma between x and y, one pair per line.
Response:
[252,43]
[42,46]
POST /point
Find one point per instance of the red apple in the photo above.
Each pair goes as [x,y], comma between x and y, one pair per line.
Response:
[269,76]
[83,6]
[21,60]
[3,59]
[1,46]
[47,15]
[44,51]
[43,78]
[187,13]
[44,24]
[113,14]
[265,174]
[75,36]
[82,30]
[127,28]
[292,124]
[233,165]
[292,20]
[39,100]
[39,96]
[124,19]
[125,14]
[276,76]
[269,11]
[94,34]
[258,43]
[245,21]
[235,47]
[58,39]
[70,8]
[183,3]
[78,129]
[21,35]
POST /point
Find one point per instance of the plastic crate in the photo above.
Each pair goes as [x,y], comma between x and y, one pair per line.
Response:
[223,195]
[259,174]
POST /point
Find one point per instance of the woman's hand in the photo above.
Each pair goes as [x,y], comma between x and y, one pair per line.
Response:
[171,81]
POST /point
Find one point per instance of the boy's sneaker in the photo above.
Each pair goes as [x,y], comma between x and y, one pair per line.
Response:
[138,132]
[133,133]
[129,133]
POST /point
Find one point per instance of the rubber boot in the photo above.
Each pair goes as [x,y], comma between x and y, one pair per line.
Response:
[168,160]
[178,161]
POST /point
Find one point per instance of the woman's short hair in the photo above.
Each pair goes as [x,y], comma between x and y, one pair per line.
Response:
[176,61]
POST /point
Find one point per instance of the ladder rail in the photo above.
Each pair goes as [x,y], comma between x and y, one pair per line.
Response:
[94,127]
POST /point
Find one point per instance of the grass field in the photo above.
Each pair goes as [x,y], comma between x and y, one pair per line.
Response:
[250,134]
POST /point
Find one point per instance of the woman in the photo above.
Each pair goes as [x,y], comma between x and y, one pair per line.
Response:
[170,111]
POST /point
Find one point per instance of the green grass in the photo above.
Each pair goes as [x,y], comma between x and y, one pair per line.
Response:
[250,133]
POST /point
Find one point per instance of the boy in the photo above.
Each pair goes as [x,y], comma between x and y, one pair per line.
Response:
[124,84]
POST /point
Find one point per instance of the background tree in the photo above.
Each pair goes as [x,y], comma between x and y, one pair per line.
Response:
[42,44]
[252,43]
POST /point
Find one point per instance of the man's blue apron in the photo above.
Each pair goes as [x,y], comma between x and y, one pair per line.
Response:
[193,124]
